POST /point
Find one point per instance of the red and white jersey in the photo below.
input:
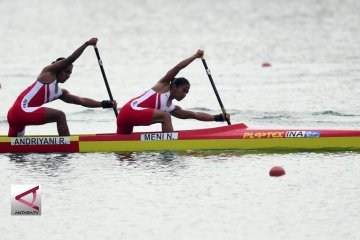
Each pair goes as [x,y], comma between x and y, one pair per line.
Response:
[152,99]
[38,94]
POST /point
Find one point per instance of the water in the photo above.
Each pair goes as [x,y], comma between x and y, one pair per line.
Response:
[313,83]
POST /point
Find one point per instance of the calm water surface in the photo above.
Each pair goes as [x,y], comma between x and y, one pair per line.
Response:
[186,195]
[313,83]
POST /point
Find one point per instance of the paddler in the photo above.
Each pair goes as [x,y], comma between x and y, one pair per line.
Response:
[156,106]
[28,110]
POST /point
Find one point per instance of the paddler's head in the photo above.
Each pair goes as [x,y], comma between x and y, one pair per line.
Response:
[179,87]
[64,73]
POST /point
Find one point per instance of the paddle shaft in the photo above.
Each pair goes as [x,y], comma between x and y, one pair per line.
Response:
[104,76]
[215,90]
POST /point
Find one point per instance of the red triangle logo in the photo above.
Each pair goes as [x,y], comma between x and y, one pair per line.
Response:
[30,204]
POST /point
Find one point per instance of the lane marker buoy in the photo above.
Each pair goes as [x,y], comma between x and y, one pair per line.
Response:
[266,64]
[276,171]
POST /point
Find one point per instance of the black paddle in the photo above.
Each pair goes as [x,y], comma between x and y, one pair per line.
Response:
[104,76]
[216,92]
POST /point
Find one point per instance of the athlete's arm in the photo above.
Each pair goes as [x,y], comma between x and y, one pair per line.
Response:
[165,81]
[86,102]
[178,112]
[46,75]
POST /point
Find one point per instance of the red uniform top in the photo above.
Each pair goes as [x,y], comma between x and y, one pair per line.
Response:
[27,109]
[138,111]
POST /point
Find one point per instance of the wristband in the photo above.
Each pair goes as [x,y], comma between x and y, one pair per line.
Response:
[107,104]
[218,118]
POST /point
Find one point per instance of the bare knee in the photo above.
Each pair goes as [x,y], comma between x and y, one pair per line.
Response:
[53,115]
[166,117]
[161,117]
[62,116]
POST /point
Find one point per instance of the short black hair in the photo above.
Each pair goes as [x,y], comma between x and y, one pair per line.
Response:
[179,82]
[59,59]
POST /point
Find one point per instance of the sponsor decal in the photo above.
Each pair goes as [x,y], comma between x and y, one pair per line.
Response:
[39,140]
[276,134]
[302,134]
[24,103]
[134,103]
[25,200]
[159,136]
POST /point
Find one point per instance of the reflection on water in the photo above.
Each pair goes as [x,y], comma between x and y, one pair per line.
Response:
[133,156]
[168,161]
[29,157]
[48,164]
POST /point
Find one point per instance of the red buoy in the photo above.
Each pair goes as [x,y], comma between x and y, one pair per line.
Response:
[276,171]
[266,64]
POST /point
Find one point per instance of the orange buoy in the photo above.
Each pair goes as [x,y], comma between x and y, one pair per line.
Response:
[276,171]
[266,64]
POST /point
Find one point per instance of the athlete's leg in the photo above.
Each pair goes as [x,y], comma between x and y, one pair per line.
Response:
[124,126]
[54,115]
[164,118]
[16,131]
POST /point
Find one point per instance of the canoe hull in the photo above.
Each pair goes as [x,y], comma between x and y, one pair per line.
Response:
[335,143]
[237,136]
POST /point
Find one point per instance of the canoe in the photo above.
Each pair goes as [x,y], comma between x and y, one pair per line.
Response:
[237,136]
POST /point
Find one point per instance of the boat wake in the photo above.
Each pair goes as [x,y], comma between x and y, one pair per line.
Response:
[334,113]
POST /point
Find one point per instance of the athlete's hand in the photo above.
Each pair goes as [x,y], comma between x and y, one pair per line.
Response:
[221,117]
[199,53]
[108,104]
[92,41]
